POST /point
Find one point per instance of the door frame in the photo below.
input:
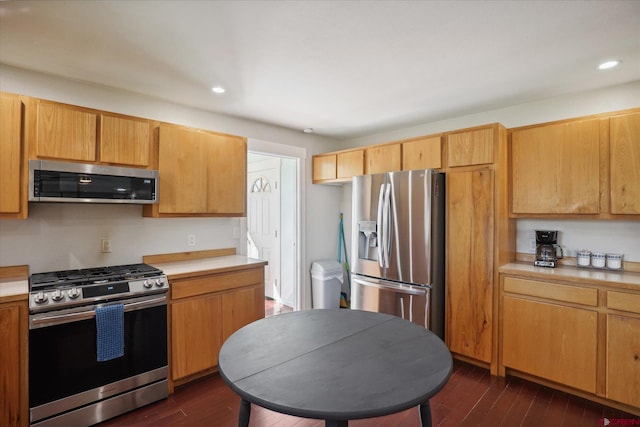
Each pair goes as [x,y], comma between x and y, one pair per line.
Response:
[256,146]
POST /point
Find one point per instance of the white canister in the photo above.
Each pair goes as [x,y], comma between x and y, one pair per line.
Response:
[614,261]
[583,258]
[598,259]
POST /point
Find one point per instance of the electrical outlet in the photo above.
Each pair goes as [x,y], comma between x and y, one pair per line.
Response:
[105,246]
[236,232]
[191,239]
[532,245]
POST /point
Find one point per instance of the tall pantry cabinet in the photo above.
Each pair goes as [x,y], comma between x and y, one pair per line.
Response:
[479,239]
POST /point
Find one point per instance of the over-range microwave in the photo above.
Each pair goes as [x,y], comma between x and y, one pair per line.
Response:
[51,181]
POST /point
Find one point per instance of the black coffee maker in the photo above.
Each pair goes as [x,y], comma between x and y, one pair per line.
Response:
[548,252]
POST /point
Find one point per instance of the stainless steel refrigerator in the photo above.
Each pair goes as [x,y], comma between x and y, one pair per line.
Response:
[397,260]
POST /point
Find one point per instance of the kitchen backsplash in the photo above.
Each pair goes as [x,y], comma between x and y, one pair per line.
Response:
[620,237]
[62,236]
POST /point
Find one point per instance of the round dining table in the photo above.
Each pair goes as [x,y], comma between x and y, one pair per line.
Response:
[334,364]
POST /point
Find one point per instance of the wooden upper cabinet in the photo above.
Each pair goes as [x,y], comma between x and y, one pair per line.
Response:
[324,167]
[556,168]
[350,164]
[423,153]
[183,171]
[473,147]
[227,175]
[65,132]
[11,198]
[124,141]
[201,172]
[383,158]
[624,166]
[338,166]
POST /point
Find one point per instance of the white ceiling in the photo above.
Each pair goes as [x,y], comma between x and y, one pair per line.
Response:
[343,68]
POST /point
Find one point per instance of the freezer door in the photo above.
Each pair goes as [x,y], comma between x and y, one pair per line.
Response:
[409,247]
[405,301]
[368,193]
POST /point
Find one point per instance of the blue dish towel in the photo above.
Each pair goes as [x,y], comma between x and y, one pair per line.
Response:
[110,328]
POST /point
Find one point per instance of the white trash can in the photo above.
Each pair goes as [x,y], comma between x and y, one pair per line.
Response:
[326,284]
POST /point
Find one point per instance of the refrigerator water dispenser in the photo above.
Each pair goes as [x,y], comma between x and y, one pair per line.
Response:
[367,240]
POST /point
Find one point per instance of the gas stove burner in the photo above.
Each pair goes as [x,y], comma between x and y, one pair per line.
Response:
[135,270]
[58,289]
[57,278]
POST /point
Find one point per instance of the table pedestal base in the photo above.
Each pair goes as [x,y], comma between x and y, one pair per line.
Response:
[245,413]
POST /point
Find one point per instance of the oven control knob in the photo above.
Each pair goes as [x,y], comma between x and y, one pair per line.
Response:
[73,293]
[40,298]
[57,295]
[159,283]
[147,284]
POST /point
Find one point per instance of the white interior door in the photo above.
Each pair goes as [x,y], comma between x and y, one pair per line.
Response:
[263,220]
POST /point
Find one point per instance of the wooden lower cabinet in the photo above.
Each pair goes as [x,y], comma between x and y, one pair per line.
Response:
[623,347]
[580,338]
[241,307]
[551,341]
[196,335]
[13,364]
[206,310]
[623,359]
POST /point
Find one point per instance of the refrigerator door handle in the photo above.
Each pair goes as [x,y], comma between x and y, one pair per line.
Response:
[427,317]
[414,290]
[379,226]
[386,225]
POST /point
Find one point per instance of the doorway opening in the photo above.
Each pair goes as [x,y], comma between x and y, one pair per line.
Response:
[272,226]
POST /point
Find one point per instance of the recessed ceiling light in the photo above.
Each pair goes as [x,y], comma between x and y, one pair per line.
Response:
[608,64]
[218,89]
[308,130]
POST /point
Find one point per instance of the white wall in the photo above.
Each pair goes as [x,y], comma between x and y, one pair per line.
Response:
[67,236]
[602,235]
[57,237]
[620,97]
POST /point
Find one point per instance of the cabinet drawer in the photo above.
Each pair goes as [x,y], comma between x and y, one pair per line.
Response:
[184,288]
[552,291]
[623,301]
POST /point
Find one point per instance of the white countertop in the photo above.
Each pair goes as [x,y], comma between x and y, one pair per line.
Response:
[574,274]
[13,287]
[208,265]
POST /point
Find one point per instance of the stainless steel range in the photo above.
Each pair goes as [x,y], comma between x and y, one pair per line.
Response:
[70,380]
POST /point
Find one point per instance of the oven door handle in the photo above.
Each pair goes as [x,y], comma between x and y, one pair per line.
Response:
[40,321]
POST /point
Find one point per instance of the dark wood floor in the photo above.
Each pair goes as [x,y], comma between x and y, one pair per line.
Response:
[272,307]
[472,397]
